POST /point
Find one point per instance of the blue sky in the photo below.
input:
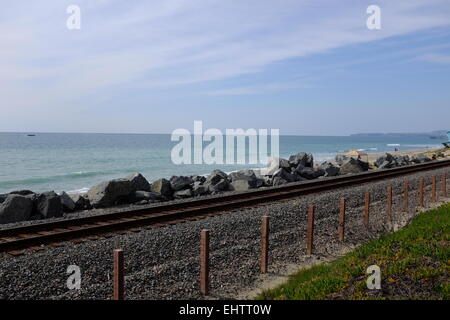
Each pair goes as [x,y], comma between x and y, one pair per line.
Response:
[307,67]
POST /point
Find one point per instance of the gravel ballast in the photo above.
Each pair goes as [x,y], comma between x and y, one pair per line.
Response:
[163,263]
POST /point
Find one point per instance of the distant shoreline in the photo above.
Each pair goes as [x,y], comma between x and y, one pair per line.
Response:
[432,134]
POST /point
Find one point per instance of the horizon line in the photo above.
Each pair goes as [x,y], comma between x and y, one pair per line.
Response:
[159,133]
[149,133]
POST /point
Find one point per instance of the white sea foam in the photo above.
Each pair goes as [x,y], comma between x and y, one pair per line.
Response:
[78,191]
[368,149]
[393,144]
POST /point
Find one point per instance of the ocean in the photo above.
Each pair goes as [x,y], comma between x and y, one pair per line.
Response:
[74,162]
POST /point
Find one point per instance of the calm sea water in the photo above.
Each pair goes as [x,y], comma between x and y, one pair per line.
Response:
[75,162]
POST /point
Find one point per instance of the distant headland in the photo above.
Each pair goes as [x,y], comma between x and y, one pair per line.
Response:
[437,134]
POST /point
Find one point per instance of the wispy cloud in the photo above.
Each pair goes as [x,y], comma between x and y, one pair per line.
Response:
[436,58]
[258,89]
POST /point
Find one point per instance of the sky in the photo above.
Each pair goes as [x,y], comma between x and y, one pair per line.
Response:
[306,67]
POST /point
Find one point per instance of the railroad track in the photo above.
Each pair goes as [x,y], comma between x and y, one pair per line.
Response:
[14,240]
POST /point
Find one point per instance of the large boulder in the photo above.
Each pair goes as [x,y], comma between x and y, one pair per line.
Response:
[387,165]
[67,202]
[273,164]
[385,159]
[279,163]
[48,205]
[330,169]
[389,161]
[81,202]
[199,188]
[216,176]
[200,179]
[15,208]
[220,186]
[260,182]
[242,175]
[3,198]
[181,194]
[109,193]
[415,160]
[278,181]
[301,158]
[352,165]
[309,173]
[266,181]
[263,178]
[242,185]
[138,182]
[402,160]
[162,186]
[243,180]
[420,158]
[285,175]
[139,196]
[180,182]
[284,163]
[340,159]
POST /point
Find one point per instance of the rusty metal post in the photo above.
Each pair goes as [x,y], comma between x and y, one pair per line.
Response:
[341,228]
[421,192]
[433,188]
[405,196]
[119,275]
[444,185]
[204,262]
[389,201]
[310,230]
[366,208]
[264,244]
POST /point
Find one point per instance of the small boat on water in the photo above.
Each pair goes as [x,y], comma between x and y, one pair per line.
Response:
[31,135]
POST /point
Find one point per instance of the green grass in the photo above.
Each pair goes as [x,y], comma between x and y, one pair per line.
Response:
[414,263]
